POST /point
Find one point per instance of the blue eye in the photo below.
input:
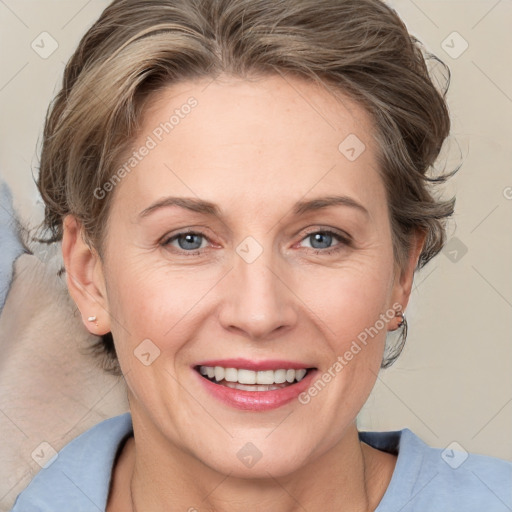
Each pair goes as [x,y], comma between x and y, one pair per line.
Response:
[187,241]
[321,241]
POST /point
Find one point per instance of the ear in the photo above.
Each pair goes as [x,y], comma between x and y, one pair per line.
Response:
[404,276]
[84,277]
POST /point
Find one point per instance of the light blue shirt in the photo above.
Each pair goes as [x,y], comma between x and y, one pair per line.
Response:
[425,479]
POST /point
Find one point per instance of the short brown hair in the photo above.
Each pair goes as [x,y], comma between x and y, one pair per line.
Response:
[137,47]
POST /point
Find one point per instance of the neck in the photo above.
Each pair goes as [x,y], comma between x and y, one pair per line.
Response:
[350,476]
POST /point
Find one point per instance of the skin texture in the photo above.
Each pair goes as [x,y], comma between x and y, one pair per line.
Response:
[254,148]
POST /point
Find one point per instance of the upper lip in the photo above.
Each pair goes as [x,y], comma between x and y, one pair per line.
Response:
[247,364]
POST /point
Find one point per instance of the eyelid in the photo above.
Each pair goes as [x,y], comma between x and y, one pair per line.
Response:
[319,229]
[345,241]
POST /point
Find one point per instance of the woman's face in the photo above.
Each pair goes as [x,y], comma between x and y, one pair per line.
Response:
[221,252]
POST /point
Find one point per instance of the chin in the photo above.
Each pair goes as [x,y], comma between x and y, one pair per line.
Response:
[256,454]
[275,465]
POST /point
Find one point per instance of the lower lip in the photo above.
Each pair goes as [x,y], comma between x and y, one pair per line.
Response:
[256,400]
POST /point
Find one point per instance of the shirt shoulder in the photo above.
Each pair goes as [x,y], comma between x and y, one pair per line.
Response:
[433,479]
[78,477]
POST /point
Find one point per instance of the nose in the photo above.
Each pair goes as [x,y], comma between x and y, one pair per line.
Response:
[257,299]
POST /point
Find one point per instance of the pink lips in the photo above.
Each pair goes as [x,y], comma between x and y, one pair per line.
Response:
[255,400]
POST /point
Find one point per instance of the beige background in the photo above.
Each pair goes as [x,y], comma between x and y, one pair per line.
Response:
[453,381]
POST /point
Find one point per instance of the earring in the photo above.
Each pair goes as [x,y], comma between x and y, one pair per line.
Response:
[403,321]
[92,319]
[402,325]
[392,352]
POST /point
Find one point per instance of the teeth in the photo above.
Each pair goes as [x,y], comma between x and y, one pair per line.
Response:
[248,377]
[266,377]
[248,387]
[280,376]
[299,374]
[220,373]
[231,375]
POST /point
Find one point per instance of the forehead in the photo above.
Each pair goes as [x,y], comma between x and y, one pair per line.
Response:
[274,136]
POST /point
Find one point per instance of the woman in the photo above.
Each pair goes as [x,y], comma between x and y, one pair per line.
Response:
[242,191]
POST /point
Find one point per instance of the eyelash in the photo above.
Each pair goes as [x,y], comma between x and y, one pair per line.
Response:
[344,239]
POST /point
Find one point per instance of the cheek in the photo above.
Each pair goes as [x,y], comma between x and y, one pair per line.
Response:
[349,299]
[152,312]
[149,301]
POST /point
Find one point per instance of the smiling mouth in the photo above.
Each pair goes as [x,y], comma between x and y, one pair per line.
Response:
[249,380]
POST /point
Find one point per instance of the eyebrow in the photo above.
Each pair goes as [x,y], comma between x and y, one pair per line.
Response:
[208,208]
[325,202]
